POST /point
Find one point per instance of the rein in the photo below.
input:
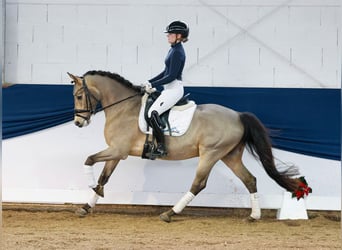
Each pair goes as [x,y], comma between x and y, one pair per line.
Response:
[92,110]
[110,105]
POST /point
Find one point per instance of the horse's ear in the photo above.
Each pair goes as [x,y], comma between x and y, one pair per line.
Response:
[75,79]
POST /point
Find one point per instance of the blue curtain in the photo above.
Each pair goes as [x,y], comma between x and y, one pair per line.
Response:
[30,107]
[305,121]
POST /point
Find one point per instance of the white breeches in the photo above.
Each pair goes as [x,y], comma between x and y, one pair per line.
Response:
[171,94]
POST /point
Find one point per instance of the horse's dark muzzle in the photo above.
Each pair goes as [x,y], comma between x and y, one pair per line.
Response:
[78,124]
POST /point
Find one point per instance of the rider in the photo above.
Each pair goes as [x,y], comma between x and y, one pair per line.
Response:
[171,80]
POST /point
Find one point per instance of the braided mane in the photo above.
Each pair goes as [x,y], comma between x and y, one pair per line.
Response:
[115,77]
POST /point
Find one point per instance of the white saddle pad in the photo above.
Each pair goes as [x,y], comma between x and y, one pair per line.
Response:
[180,118]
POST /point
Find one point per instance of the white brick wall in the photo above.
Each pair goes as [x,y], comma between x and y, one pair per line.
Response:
[32,13]
[34,53]
[232,42]
[48,34]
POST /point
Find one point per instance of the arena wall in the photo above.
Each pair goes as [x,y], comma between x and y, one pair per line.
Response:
[260,43]
[271,43]
[47,166]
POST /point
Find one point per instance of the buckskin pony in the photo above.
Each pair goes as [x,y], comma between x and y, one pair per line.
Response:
[216,133]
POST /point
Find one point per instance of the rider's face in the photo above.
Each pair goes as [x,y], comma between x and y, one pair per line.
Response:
[172,38]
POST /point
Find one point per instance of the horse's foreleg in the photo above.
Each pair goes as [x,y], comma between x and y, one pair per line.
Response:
[234,161]
[98,190]
[85,209]
[108,154]
[197,186]
[105,175]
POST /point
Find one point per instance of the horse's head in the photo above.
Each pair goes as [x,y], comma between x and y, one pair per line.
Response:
[85,101]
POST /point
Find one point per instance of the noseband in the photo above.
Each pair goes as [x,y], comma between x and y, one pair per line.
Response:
[90,108]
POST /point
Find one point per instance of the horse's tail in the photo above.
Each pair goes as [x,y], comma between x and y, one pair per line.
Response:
[258,143]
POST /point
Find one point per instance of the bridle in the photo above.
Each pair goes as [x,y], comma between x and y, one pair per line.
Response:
[92,109]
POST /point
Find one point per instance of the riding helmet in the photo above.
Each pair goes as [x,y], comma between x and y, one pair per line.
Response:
[178,27]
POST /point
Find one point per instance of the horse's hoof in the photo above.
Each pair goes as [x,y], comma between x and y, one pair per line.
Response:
[165,217]
[89,162]
[251,219]
[81,212]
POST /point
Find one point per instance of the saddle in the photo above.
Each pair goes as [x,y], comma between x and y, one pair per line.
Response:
[164,118]
[175,121]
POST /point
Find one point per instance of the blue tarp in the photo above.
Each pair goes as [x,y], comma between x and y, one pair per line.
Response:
[31,107]
[305,121]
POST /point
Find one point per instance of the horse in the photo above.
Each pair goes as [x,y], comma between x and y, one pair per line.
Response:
[215,133]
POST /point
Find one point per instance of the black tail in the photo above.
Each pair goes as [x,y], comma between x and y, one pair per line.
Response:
[258,143]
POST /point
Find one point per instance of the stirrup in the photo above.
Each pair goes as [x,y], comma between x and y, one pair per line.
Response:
[160,151]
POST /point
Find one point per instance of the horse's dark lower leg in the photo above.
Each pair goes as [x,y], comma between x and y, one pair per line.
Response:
[245,176]
[184,201]
[198,185]
[98,190]
[104,177]
[234,162]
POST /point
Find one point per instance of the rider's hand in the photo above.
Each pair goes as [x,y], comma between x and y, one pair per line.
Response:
[148,88]
[147,84]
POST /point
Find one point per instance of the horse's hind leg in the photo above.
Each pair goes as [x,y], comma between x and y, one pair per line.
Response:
[98,190]
[199,183]
[234,161]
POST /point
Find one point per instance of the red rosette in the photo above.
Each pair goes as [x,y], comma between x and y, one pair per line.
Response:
[303,189]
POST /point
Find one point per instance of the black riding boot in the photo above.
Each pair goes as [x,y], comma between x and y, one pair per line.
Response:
[159,134]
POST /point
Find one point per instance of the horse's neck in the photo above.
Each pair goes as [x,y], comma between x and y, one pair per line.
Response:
[114,96]
[124,114]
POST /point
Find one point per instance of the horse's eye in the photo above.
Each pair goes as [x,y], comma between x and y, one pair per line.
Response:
[79,97]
